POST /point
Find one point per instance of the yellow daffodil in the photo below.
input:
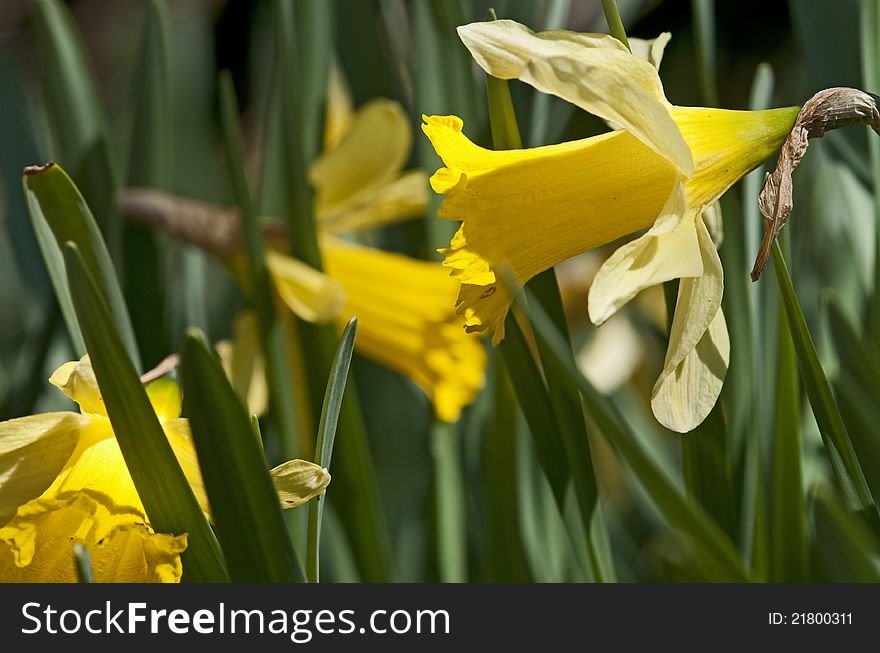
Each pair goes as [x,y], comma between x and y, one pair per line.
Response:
[405,307]
[63,480]
[661,170]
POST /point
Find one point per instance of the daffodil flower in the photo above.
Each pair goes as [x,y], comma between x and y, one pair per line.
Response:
[63,480]
[661,171]
[405,307]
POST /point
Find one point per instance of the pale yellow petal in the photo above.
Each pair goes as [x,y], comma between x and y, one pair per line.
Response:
[244,363]
[592,71]
[682,399]
[669,250]
[713,220]
[407,322]
[311,294]
[609,359]
[33,450]
[340,110]
[650,50]
[76,379]
[37,545]
[370,154]
[399,199]
[297,481]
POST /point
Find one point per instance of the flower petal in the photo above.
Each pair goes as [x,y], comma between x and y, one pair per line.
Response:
[530,209]
[593,71]
[399,199]
[311,294]
[244,364]
[698,352]
[37,545]
[180,438]
[33,450]
[650,50]
[164,396]
[682,399]
[76,379]
[406,321]
[340,112]
[370,154]
[669,250]
[297,481]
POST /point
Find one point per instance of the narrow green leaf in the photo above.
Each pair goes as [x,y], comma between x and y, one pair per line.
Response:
[704,23]
[150,165]
[244,505]
[563,396]
[76,119]
[718,556]
[162,487]
[60,214]
[83,561]
[837,443]
[505,558]
[261,294]
[844,550]
[327,436]
[315,38]
[870,50]
[449,502]
[787,525]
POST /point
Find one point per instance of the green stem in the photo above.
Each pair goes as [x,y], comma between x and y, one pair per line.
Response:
[615,25]
[449,503]
[704,28]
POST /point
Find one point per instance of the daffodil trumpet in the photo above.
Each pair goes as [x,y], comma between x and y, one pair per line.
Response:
[661,170]
[63,481]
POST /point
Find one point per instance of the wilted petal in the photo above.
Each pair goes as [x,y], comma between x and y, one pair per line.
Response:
[593,71]
[310,294]
[669,250]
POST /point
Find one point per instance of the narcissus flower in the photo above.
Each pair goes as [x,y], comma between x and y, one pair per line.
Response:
[530,209]
[63,480]
[405,307]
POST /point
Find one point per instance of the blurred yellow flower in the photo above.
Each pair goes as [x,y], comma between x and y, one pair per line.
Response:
[63,480]
[405,307]
[530,209]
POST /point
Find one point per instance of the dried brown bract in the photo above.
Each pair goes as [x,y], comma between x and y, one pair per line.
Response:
[826,110]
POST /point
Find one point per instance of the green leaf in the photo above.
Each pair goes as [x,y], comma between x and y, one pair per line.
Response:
[244,505]
[76,119]
[787,524]
[60,214]
[162,487]
[834,435]
[150,165]
[844,550]
[315,38]
[717,557]
[327,436]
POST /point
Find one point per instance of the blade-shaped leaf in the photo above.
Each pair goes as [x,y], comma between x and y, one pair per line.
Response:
[327,436]
[162,487]
[244,504]
[60,214]
[844,549]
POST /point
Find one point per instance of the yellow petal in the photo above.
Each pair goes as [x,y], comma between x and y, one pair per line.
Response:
[683,398]
[244,364]
[297,481]
[33,450]
[609,359]
[530,209]
[180,438]
[399,199]
[312,295]
[726,145]
[593,71]
[340,111]
[37,545]
[77,380]
[370,154]
[669,250]
[406,321]
[691,380]
[164,395]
